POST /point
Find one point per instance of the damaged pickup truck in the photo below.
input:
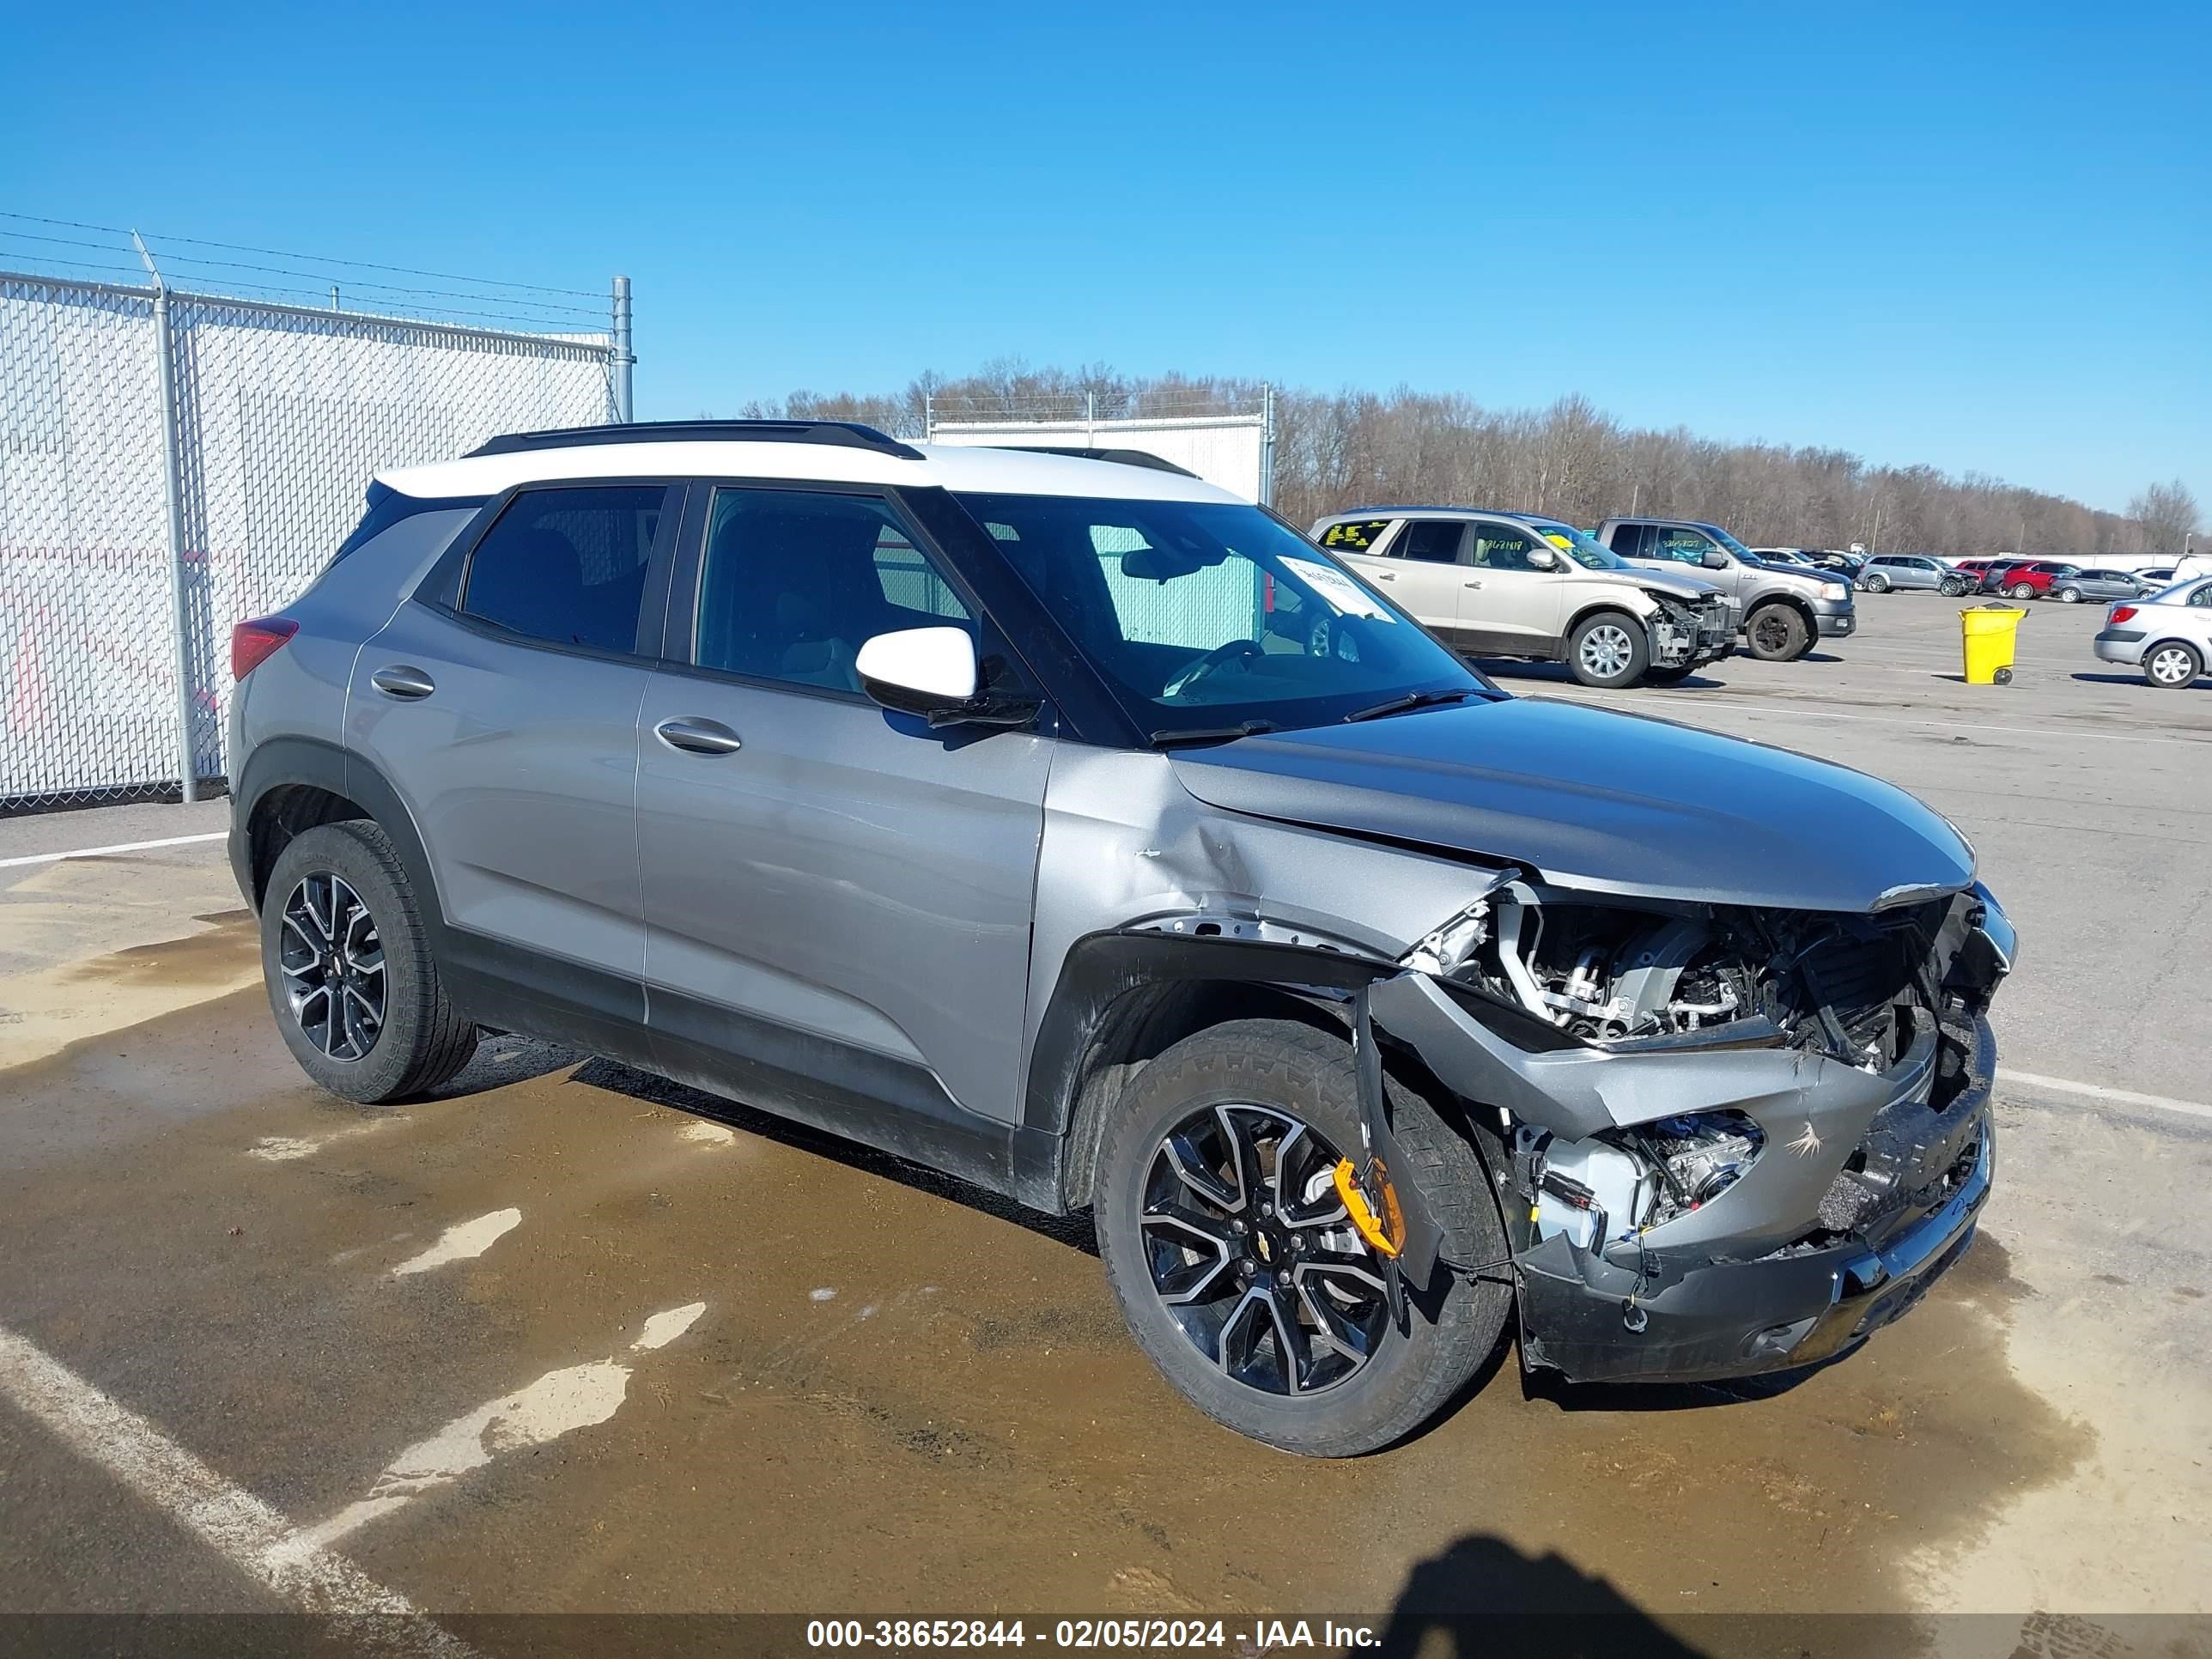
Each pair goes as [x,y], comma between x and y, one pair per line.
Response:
[1084,832]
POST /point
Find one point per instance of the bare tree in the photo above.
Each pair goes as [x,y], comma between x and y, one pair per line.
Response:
[1336,450]
[2167,514]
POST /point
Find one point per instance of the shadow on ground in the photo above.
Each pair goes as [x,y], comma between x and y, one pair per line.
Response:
[1483,1596]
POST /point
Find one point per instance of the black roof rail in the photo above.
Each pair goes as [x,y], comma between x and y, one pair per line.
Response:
[1122,457]
[845,435]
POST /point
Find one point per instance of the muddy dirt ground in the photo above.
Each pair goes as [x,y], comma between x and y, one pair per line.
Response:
[571,1339]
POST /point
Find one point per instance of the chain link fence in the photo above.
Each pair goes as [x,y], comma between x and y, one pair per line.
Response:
[115,613]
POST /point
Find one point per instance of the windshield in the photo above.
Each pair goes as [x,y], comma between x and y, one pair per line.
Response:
[1579,545]
[1205,616]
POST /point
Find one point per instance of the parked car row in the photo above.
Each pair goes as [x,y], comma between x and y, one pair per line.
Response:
[2019,579]
[1638,599]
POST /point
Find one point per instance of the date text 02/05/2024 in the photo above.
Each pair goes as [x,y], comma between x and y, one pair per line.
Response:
[1264,1635]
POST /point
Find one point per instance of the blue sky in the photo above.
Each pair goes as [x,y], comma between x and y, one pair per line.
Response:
[1976,236]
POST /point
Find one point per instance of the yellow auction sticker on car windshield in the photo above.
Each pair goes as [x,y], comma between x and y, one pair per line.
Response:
[1336,589]
[1566,544]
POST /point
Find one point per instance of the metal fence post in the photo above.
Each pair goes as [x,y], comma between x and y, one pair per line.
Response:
[1266,444]
[172,495]
[623,358]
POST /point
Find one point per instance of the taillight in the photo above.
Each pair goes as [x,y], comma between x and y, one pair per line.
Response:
[2121,613]
[252,643]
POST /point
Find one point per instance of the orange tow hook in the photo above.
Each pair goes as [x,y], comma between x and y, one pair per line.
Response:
[1386,1231]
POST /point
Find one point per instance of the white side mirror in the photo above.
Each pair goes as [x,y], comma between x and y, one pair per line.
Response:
[919,671]
[1543,558]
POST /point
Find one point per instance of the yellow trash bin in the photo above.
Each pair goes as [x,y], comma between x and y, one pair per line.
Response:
[1989,631]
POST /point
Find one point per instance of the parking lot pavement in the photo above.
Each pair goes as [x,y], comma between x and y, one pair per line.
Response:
[569,1339]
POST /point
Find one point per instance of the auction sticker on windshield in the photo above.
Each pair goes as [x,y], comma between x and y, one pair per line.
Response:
[1338,591]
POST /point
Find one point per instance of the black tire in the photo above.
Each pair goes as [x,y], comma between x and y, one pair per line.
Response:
[1776,633]
[1296,1071]
[1951,590]
[1877,584]
[1616,647]
[2179,656]
[418,1041]
[2068,596]
[2022,591]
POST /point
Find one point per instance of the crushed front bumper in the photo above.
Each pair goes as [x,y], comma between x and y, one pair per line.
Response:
[1592,1321]
[1868,1190]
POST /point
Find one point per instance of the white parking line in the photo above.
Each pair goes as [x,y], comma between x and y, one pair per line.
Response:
[248,1533]
[1790,709]
[2099,1091]
[102,852]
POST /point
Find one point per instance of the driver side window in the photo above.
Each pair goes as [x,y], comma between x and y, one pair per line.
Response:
[1503,547]
[2201,599]
[796,581]
[1681,545]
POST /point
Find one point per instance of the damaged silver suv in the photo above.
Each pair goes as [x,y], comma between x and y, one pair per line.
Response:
[1081,830]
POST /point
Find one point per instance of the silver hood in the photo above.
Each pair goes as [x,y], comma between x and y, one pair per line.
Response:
[1589,798]
[1680,583]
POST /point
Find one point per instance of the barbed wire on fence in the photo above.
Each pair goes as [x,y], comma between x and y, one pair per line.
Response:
[79,251]
[285,405]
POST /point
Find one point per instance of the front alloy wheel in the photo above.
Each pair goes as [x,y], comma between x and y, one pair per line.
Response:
[331,958]
[1236,1268]
[1253,1255]
[2069,596]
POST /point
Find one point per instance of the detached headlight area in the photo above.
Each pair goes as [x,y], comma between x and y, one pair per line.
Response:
[1618,1184]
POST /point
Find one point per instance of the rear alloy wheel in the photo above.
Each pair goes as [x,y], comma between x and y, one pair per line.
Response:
[1240,1273]
[1608,650]
[1877,584]
[348,964]
[2022,591]
[1776,633]
[2172,666]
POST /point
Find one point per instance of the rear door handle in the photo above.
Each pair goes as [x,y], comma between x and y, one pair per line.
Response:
[1386,575]
[1475,584]
[696,736]
[403,681]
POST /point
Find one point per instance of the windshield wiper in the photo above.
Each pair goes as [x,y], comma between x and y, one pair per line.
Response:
[1411,700]
[1212,733]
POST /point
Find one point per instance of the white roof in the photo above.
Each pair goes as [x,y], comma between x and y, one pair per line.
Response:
[1009,471]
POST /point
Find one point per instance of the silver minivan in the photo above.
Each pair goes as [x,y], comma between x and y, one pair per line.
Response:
[1914,571]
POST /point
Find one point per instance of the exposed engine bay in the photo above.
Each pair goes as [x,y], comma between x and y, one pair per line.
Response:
[1610,973]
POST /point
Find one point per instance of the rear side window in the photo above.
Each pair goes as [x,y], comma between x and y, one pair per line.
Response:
[1430,541]
[1632,541]
[568,566]
[1356,535]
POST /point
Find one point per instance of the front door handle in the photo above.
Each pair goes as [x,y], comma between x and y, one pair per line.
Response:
[1386,575]
[696,736]
[1475,584]
[403,681]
